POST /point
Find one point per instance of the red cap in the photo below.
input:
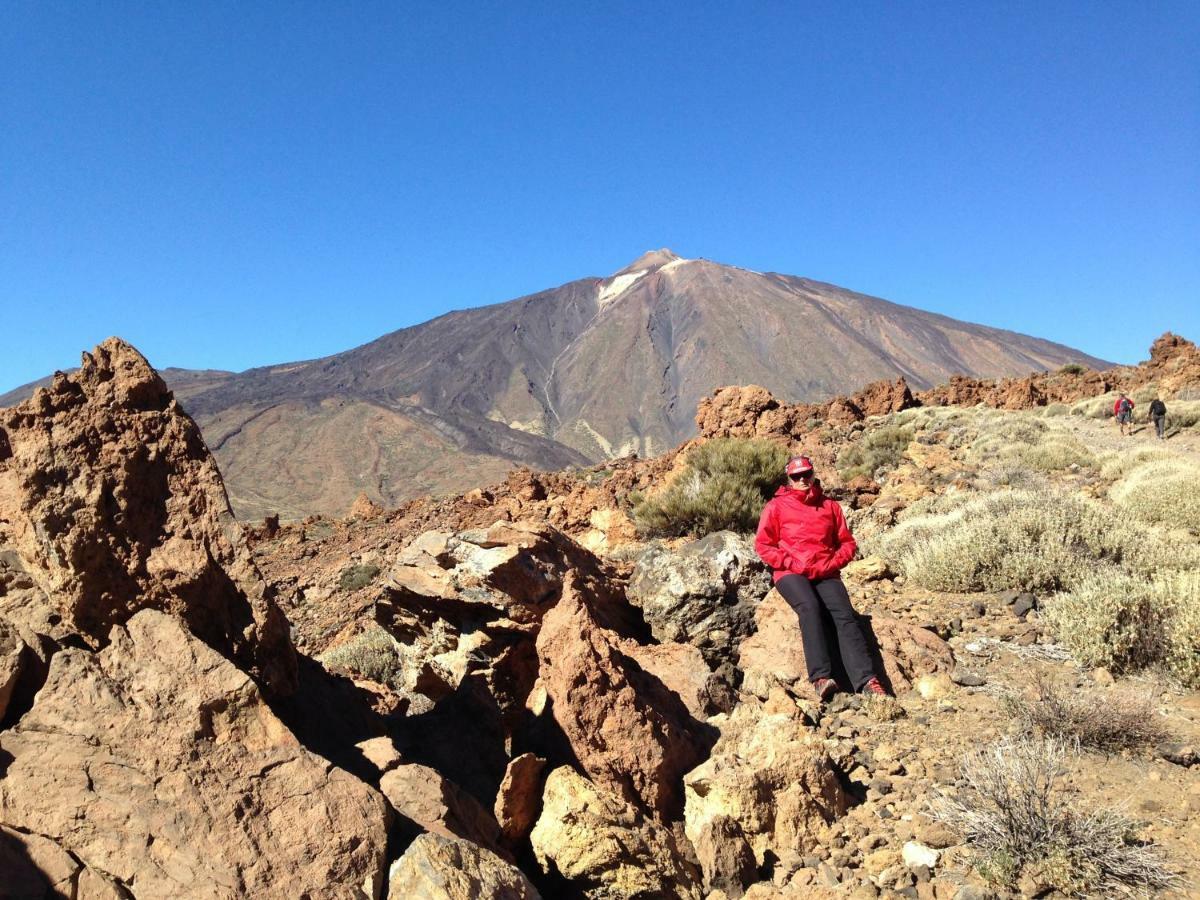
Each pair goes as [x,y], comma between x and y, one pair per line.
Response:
[798,464]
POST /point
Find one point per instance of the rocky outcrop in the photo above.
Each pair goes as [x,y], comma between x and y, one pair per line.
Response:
[769,783]
[14,654]
[111,503]
[157,762]
[439,868]
[703,592]
[627,729]
[605,847]
[519,799]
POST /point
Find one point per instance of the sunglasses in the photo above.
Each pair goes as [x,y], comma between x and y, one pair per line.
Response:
[801,476]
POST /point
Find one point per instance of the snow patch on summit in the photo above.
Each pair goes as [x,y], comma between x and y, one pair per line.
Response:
[619,285]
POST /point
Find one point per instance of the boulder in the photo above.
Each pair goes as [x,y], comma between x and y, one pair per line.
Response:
[110,503]
[437,805]
[520,798]
[682,669]
[13,661]
[703,592]
[439,868]
[605,846]
[774,654]
[627,729]
[157,762]
[771,777]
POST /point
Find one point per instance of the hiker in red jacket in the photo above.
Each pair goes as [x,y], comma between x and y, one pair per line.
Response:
[1123,412]
[803,537]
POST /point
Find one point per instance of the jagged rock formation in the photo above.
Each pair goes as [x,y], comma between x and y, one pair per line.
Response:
[156,764]
[111,503]
[438,868]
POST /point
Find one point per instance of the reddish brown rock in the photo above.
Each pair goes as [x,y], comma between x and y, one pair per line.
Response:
[111,503]
[627,730]
[882,397]
[157,762]
[13,661]
[519,800]
[439,868]
[363,507]
[437,805]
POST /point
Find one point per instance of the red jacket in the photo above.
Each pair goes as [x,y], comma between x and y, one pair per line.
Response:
[804,533]
[1117,405]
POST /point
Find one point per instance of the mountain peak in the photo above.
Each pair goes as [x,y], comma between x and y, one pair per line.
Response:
[651,259]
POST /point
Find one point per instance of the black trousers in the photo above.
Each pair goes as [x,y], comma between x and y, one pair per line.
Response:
[813,601]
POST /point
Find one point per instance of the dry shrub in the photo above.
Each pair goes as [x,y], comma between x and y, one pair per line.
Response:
[1118,719]
[1126,623]
[1027,540]
[1096,407]
[879,450]
[372,654]
[1014,814]
[1054,410]
[1009,440]
[723,487]
[1162,491]
[357,576]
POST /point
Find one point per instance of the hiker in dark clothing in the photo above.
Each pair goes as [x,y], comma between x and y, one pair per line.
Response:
[803,537]
[1158,415]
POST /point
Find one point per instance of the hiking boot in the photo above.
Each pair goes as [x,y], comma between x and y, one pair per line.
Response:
[825,688]
[874,689]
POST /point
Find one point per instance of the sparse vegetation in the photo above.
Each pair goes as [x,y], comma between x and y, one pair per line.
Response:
[1072,369]
[724,486]
[879,449]
[1054,410]
[1018,820]
[357,576]
[372,654]
[1121,718]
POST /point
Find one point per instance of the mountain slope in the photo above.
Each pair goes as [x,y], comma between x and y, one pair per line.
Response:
[591,369]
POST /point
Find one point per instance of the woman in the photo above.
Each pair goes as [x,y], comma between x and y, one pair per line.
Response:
[803,537]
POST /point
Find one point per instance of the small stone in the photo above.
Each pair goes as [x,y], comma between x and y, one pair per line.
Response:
[1023,605]
[922,873]
[967,679]
[828,875]
[1180,754]
[881,786]
[979,609]
[970,892]
[916,854]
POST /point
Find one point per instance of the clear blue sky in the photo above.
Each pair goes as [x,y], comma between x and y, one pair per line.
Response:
[236,184]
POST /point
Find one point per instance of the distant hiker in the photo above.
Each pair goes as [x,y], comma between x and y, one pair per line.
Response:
[803,537]
[1123,410]
[1158,415]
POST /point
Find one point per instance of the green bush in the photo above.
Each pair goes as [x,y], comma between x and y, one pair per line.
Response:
[1072,369]
[1022,539]
[357,576]
[880,448]
[373,654]
[1182,591]
[724,485]
[1053,410]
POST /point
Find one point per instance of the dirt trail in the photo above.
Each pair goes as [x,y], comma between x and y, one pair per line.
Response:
[1102,435]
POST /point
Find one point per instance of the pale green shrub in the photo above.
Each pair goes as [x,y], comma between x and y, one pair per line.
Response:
[374,654]
[1018,439]
[1096,407]
[1182,413]
[1029,540]
[724,486]
[1054,410]
[1163,491]
[1182,591]
[1072,369]
[1112,619]
[880,448]
[1125,623]
[356,576]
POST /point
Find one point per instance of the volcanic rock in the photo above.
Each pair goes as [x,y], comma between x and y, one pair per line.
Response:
[520,797]
[437,805]
[605,846]
[703,592]
[439,868]
[110,503]
[157,762]
[627,729]
[770,776]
